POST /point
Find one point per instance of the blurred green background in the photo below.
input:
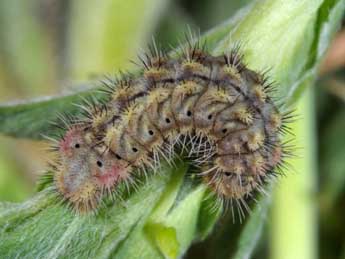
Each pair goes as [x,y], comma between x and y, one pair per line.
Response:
[49,46]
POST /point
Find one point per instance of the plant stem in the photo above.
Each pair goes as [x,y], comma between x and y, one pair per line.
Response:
[294,218]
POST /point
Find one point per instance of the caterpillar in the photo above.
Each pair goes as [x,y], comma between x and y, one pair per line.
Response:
[213,110]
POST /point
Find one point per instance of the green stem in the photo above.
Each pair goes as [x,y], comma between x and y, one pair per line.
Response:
[294,219]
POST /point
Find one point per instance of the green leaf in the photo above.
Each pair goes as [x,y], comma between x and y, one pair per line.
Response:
[164,238]
[174,232]
[33,119]
[53,229]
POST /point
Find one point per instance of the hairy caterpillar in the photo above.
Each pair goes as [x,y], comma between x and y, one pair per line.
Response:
[212,109]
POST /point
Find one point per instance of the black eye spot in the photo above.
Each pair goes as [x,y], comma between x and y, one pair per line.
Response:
[77,145]
[99,163]
[209,117]
[189,113]
[227,174]
[151,132]
[224,131]
[135,149]
[118,157]
[167,120]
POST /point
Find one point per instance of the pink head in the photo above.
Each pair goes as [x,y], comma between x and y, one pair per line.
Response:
[85,173]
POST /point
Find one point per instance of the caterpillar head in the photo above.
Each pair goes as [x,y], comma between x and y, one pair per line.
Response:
[84,172]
